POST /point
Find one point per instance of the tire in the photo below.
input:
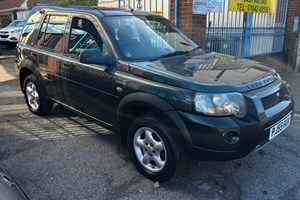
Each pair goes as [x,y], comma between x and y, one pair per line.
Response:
[153,148]
[35,99]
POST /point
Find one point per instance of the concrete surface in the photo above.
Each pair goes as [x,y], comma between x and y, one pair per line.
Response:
[64,156]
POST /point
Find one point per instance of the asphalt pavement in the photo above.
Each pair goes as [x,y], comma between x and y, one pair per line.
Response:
[64,156]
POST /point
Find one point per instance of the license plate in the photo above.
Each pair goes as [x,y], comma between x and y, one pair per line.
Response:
[280,126]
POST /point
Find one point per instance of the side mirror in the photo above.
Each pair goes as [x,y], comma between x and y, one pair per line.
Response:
[94,56]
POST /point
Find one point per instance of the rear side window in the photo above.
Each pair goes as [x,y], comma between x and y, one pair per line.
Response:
[52,32]
[32,25]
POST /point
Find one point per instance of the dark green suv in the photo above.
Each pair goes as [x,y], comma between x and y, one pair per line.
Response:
[137,74]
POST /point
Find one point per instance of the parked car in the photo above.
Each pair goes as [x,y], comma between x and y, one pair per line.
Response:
[10,35]
[137,74]
[9,190]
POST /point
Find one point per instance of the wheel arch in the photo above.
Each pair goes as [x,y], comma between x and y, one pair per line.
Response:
[27,68]
[137,104]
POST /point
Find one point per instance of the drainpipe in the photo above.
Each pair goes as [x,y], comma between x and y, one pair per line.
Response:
[176,12]
[297,53]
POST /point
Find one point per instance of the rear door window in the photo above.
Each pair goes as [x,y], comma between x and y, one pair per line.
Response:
[52,32]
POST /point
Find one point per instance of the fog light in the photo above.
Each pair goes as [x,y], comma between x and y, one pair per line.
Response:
[231,137]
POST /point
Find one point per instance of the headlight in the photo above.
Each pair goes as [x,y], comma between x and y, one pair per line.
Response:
[16,31]
[223,104]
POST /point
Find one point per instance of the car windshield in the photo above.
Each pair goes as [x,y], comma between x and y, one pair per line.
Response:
[15,23]
[20,24]
[140,38]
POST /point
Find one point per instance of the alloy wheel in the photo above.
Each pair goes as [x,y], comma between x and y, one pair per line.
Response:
[32,96]
[150,149]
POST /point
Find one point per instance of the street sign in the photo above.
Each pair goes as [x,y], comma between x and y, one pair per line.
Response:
[253,6]
[205,6]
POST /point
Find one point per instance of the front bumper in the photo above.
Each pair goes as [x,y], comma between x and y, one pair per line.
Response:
[10,37]
[207,138]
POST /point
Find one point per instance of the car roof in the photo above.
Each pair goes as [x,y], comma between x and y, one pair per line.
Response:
[98,11]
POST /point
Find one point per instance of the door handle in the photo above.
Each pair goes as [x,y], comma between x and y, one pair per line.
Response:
[6,179]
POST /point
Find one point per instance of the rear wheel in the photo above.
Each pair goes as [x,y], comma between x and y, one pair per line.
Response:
[35,100]
[153,148]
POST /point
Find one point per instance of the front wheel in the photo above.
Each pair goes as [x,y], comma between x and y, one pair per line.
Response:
[153,148]
[35,100]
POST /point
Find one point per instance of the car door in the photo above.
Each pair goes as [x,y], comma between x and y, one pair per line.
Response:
[48,53]
[87,87]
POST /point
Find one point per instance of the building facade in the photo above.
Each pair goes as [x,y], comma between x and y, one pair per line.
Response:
[292,41]
[14,9]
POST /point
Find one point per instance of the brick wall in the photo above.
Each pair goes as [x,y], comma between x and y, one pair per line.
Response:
[290,37]
[193,25]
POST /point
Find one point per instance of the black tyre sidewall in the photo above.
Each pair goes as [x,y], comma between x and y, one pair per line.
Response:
[45,105]
[162,130]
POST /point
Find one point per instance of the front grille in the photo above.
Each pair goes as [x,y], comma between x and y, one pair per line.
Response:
[3,36]
[4,32]
[273,99]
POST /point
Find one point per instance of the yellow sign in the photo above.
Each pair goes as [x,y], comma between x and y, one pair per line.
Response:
[158,13]
[253,6]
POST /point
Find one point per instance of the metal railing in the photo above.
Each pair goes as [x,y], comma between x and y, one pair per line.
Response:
[160,7]
[246,34]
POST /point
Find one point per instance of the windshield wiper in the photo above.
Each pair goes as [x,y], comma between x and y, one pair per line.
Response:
[194,50]
[174,53]
[185,44]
